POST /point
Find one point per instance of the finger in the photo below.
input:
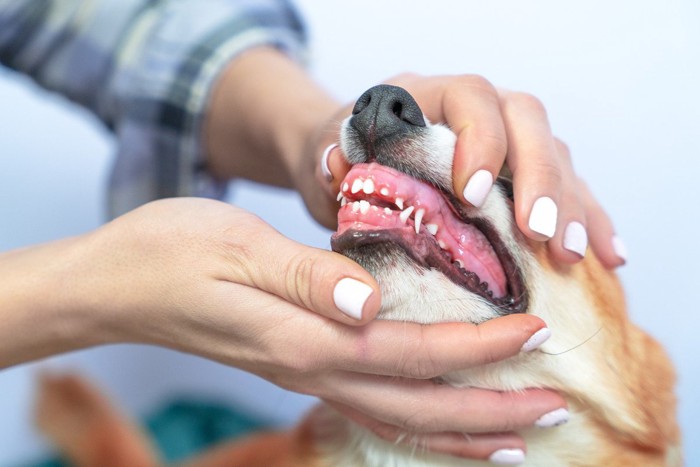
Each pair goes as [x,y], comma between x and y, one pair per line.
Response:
[318,280]
[533,160]
[420,406]
[570,241]
[415,350]
[470,446]
[472,110]
[607,246]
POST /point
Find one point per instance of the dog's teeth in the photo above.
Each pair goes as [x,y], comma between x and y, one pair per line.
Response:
[357,185]
[432,228]
[368,186]
[346,186]
[340,196]
[399,203]
[459,263]
[343,201]
[375,208]
[419,218]
[355,206]
[384,191]
[387,211]
[442,244]
[405,214]
[364,207]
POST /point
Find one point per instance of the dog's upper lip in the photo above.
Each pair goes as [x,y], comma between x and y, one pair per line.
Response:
[380,199]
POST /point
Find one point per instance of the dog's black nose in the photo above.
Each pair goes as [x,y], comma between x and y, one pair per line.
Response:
[385,111]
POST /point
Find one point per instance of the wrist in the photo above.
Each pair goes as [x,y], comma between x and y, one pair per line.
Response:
[44,308]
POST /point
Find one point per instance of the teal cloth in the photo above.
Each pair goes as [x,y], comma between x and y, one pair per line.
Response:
[184,428]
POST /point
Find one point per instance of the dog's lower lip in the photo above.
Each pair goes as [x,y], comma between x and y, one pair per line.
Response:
[369,216]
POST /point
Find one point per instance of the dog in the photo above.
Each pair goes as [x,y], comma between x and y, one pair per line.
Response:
[438,260]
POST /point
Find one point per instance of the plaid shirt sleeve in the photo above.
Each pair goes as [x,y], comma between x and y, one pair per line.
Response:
[146,68]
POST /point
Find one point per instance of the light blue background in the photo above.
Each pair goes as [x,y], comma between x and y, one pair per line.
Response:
[620,81]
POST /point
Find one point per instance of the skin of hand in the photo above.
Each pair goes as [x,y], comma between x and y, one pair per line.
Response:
[204,277]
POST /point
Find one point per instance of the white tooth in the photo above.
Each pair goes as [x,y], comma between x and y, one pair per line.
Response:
[375,208]
[364,206]
[340,196]
[384,191]
[459,263]
[356,186]
[355,206]
[368,186]
[405,214]
[387,211]
[345,186]
[432,228]
[343,201]
[442,244]
[399,203]
[419,218]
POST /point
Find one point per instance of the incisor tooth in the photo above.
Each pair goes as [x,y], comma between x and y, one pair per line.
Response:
[343,201]
[387,211]
[340,196]
[419,218]
[364,207]
[345,186]
[399,203]
[432,228]
[368,186]
[357,186]
[405,214]
[355,206]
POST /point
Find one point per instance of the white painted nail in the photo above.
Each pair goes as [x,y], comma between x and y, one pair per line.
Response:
[619,247]
[575,238]
[350,296]
[536,340]
[508,457]
[543,217]
[324,162]
[478,187]
[554,418]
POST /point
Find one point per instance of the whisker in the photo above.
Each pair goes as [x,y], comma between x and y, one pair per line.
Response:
[574,347]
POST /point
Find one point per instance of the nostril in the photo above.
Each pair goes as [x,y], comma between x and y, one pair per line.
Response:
[397,109]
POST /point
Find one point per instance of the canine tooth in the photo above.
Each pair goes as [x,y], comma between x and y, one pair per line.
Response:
[432,228]
[357,186]
[405,214]
[346,186]
[384,191]
[387,211]
[343,201]
[340,196]
[364,207]
[419,218]
[355,206]
[399,203]
[368,186]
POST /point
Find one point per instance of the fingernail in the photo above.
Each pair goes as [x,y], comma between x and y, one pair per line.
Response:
[508,457]
[620,248]
[478,187]
[554,418]
[536,340]
[350,296]
[575,238]
[543,217]
[324,162]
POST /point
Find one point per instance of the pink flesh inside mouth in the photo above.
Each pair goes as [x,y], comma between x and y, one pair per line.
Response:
[378,198]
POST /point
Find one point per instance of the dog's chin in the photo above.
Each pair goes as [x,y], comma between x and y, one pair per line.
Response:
[405,229]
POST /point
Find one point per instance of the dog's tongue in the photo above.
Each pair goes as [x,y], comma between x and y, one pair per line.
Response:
[378,198]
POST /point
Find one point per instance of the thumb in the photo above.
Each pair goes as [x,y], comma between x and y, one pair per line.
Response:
[322,281]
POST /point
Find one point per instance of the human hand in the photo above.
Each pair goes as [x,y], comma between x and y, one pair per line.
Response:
[494,127]
[207,278]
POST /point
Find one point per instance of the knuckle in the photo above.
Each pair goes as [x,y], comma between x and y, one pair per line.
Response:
[563,149]
[299,276]
[479,83]
[421,362]
[527,102]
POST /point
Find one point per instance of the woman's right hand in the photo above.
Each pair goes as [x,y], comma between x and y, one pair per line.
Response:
[210,279]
